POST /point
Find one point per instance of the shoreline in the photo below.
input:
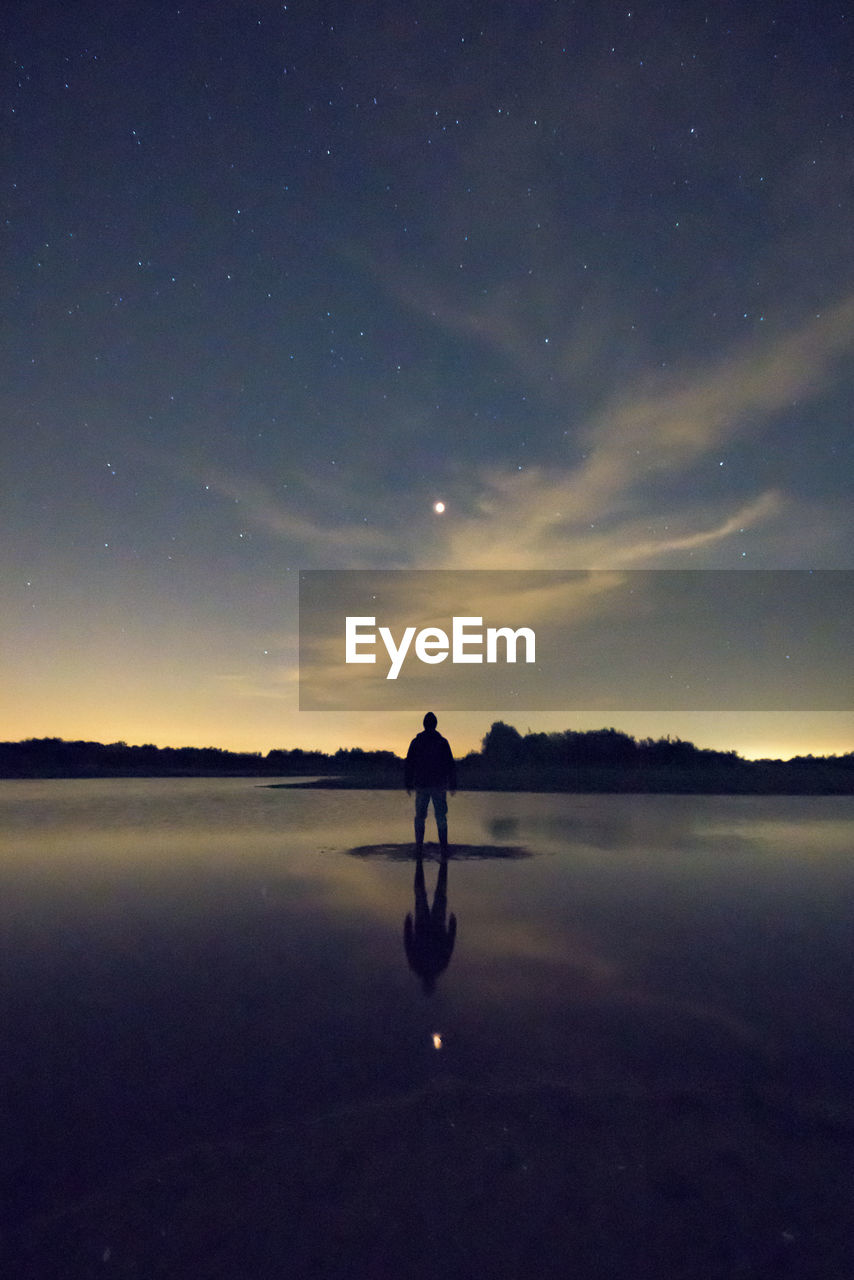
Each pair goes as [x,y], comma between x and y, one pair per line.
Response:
[836,784]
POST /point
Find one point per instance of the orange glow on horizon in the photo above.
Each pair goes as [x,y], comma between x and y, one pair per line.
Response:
[753,736]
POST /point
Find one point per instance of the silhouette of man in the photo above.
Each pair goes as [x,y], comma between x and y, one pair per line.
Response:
[431,770]
[427,939]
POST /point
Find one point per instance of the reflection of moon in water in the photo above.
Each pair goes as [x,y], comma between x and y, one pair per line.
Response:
[438,507]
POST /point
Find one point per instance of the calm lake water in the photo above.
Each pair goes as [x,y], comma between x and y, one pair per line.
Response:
[188,962]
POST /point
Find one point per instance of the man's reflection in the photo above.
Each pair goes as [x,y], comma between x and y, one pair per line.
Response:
[428,939]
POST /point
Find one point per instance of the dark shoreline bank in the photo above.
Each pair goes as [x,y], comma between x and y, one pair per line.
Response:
[837,784]
[630,784]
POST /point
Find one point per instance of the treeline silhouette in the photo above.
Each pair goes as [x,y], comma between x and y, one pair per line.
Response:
[594,760]
[56,758]
[610,760]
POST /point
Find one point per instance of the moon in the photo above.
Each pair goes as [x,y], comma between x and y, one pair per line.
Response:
[438,507]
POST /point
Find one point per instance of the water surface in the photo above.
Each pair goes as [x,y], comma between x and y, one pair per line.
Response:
[194,963]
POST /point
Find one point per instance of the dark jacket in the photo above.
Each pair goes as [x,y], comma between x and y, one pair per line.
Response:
[430,762]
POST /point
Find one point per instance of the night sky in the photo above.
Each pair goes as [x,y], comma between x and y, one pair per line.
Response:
[278,278]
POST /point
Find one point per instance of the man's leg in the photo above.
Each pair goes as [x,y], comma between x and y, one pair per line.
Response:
[422,800]
[440,808]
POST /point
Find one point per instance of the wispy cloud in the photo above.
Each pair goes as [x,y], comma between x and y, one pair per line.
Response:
[599,513]
[305,520]
[632,499]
